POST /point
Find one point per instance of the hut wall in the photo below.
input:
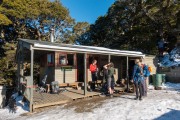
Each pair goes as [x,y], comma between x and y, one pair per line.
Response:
[70,75]
[153,62]
[172,74]
[49,71]
[46,70]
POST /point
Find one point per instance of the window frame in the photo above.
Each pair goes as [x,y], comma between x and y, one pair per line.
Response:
[59,54]
[52,59]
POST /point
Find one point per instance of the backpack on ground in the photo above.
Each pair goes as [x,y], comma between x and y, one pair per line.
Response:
[55,87]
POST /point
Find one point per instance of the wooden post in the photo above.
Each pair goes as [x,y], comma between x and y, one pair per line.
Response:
[109,58]
[64,75]
[31,89]
[127,74]
[85,74]
[22,67]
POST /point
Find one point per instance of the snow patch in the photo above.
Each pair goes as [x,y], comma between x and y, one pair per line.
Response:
[172,86]
[22,107]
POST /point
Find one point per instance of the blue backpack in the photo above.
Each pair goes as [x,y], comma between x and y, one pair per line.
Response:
[146,71]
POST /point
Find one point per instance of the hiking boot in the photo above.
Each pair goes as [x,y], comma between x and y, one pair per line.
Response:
[140,98]
[107,94]
[135,98]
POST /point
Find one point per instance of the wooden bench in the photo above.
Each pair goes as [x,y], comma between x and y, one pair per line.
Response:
[73,85]
[120,89]
[63,84]
[99,82]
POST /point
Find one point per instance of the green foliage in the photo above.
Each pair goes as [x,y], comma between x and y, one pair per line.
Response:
[34,18]
[134,25]
[7,64]
[31,19]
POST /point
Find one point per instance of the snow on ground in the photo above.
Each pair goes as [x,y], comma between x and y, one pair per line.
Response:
[159,105]
[21,108]
[172,86]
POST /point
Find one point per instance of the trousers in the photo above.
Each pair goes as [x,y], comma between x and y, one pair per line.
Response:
[138,86]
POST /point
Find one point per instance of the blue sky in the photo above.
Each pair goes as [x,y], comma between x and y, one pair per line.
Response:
[87,10]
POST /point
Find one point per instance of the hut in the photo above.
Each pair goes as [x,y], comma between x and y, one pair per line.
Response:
[65,63]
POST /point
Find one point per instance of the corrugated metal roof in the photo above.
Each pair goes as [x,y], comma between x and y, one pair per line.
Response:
[79,48]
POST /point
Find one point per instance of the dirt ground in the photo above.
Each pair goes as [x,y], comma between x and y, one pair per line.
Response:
[86,105]
[80,105]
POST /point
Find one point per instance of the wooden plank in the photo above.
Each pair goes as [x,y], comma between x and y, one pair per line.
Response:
[73,84]
[120,89]
[99,81]
[77,94]
[49,104]
[63,84]
[46,99]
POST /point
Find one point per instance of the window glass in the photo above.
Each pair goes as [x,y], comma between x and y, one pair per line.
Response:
[66,59]
[50,59]
[70,58]
[62,60]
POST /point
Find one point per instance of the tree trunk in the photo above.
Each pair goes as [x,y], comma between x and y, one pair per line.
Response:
[39,35]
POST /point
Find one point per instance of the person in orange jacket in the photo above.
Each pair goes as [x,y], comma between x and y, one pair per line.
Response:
[94,70]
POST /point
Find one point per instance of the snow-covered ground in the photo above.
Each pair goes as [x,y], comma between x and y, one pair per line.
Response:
[6,114]
[159,105]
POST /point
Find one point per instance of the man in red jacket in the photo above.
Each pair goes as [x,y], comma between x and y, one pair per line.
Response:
[94,70]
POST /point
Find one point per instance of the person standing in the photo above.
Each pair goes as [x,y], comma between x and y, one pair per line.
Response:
[138,78]
[110,77]
[146,74]
[94,70]
[146,78]
[104,74]
[143,82]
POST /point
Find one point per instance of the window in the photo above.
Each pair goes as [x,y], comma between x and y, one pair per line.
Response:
[66,59]
[50,59]
[63,60]
[70,58]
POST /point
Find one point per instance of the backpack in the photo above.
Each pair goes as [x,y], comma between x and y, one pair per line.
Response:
[146,71]
[150,69]
[55,87]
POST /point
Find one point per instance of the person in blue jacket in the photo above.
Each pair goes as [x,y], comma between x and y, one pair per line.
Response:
[146,79]
[138,77]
